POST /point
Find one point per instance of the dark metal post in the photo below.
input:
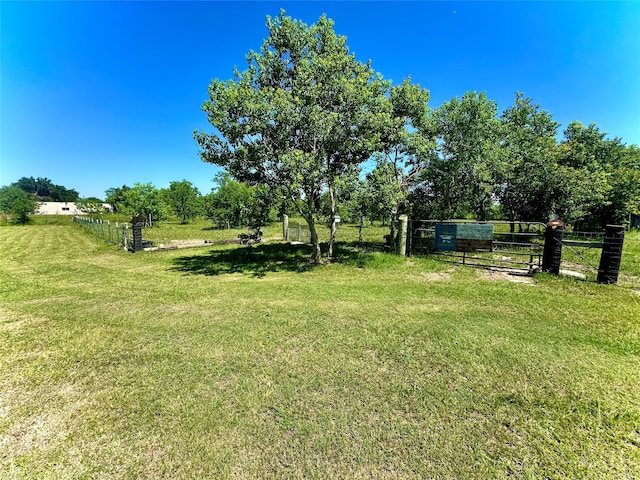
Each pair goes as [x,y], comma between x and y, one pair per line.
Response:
[552,253]
[136,224]
[611,254]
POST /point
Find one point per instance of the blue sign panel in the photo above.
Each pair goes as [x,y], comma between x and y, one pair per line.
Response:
[475,231]
[446,236]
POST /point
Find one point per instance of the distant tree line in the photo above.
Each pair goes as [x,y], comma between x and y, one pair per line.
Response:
[44,190]
[230,203]
[22,197]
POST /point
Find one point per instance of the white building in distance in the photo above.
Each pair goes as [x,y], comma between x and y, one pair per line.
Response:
[65,208]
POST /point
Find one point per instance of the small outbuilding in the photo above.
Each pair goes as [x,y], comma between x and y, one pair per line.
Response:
[64,208]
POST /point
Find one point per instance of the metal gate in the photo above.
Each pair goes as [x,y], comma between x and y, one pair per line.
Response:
[526,247]
[513,246]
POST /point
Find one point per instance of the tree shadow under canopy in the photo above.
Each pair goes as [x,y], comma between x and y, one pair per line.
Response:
[258,260]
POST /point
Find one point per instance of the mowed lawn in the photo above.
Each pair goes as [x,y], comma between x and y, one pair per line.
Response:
[229,362]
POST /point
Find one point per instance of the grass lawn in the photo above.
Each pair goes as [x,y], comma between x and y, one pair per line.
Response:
[229,362]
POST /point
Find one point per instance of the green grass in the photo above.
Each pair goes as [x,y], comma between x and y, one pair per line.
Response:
[202,229]
[232,362]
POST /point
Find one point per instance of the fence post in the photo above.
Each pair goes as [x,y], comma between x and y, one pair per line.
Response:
[285,227]
[136,225]
[611,254]
[552,253]
[402,235]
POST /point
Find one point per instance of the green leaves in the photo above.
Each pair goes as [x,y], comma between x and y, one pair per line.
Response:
[185,200]
[301,115]
[237,204]
[145,200]
[458,166]
[18,203]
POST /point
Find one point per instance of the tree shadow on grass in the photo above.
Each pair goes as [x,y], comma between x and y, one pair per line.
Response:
[261,259]
[256,260]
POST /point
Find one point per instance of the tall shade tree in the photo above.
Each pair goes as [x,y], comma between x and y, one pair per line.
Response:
[527,175]
[387,188]
[397,166]
[625,188]
[299,117]
[147,201]
[607,174]
[116,197]
[17,203]
[185,200]
[459,167]
[230,204]
[586,162]
[46,191]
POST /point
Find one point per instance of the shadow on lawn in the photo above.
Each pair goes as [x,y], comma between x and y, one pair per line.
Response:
[261,259]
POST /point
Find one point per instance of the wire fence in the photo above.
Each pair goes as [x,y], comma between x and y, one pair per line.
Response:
[299,233]
[115,233]
[520,245]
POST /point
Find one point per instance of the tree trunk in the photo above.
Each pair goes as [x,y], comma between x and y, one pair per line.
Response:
[392,229]
[332,226]
[317,253]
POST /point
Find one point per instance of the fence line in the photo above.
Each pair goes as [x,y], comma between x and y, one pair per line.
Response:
[524,247]
[299,233]
[115,233]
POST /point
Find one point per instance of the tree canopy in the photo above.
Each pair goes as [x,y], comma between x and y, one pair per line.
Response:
[145,200]
[18,203]
[46,191]
[299,117]
[235,203]
[185,200]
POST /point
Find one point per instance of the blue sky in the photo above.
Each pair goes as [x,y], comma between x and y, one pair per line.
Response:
[101,94]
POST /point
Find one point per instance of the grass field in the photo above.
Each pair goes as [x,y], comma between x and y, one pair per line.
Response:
[229,362]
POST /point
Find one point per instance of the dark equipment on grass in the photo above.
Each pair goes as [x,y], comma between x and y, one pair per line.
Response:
[251,238]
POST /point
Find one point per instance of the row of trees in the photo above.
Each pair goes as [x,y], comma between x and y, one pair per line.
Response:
[22,198]
[231,203]
[44,190]
[473,162]
[305,115]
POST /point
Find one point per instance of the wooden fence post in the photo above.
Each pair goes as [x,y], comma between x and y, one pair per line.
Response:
[611,254]
[402,235]
[285,227]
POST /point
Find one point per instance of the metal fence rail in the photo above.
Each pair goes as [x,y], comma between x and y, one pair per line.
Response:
[521,246]
[115,233]
[515,245]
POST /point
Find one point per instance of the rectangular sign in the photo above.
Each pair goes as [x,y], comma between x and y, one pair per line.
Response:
[475,231]
[446,237]
[470,245]
[464,237]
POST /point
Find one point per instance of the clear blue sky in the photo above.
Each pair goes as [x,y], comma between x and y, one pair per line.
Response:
[101,94]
